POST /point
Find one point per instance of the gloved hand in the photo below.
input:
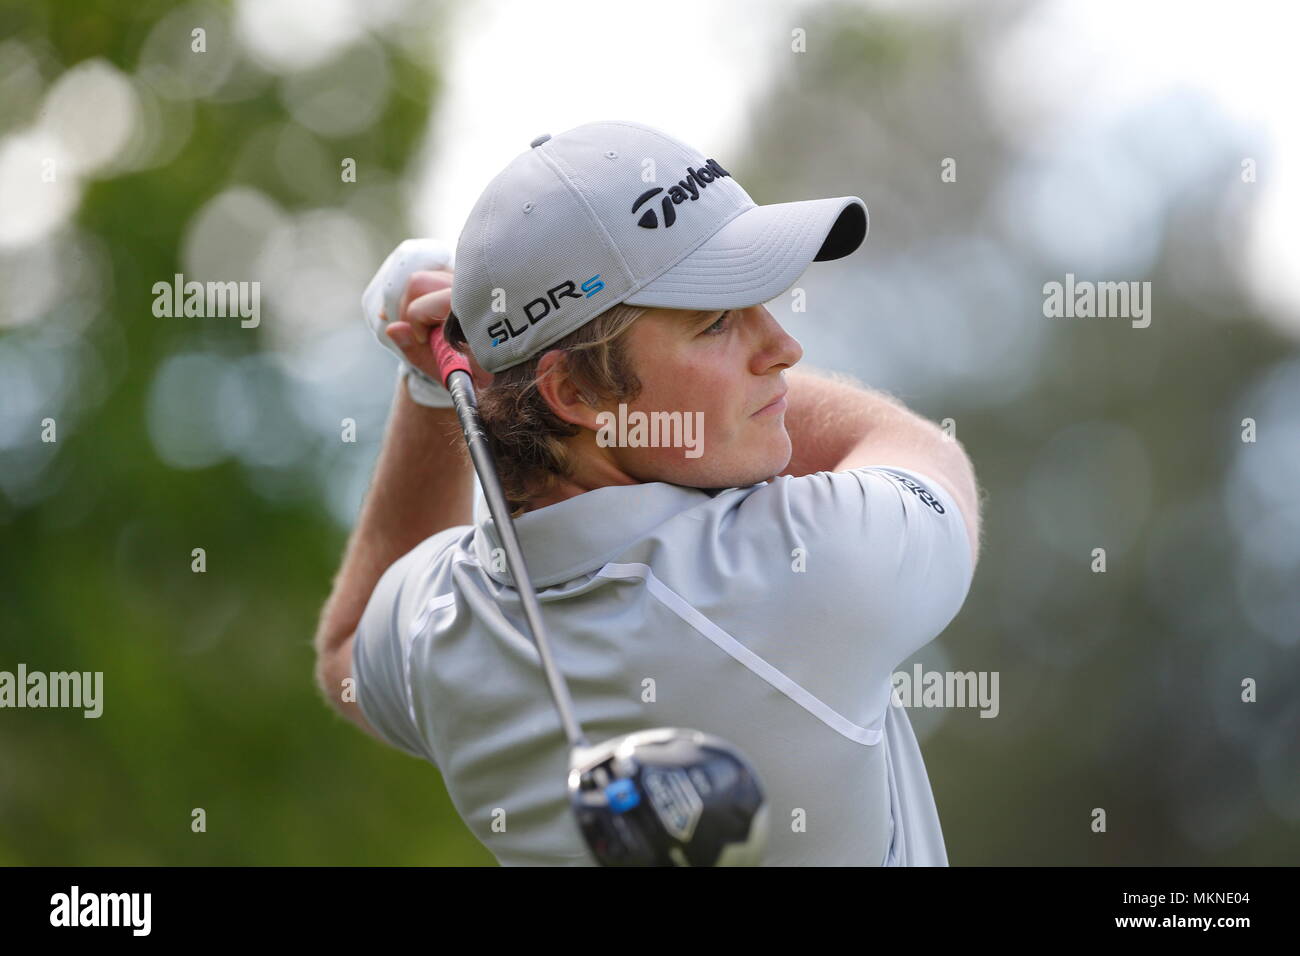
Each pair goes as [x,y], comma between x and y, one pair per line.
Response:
[381,304]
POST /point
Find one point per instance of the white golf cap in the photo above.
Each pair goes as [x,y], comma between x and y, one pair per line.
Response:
[617,211]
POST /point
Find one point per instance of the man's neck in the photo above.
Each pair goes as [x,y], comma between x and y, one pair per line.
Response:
[566,488]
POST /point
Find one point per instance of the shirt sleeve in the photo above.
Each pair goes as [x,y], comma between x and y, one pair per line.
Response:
[911,562]
[874,563]
[381,653]
[932,561]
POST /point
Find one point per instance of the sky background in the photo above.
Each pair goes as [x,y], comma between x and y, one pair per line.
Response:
[1070,62]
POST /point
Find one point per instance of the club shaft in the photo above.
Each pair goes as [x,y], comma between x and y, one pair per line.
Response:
[461,387]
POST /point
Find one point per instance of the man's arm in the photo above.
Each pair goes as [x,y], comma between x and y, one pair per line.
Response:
[836,424]
[423,483]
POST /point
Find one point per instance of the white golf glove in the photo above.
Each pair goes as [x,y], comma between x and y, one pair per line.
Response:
[384,293]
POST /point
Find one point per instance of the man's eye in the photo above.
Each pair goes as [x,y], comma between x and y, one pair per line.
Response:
[711,329]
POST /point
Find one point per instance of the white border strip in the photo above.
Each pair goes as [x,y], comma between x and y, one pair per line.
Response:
[683,609]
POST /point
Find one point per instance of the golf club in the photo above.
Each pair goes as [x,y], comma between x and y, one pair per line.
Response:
[663,797]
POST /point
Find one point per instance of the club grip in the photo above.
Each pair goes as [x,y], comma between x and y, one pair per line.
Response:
[448,359]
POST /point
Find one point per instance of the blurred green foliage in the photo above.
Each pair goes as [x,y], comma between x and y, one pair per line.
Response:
[209,695]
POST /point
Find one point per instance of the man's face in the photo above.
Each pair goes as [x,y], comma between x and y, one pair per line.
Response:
[725,366]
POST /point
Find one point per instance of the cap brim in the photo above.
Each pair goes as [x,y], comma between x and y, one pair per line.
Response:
[758,255]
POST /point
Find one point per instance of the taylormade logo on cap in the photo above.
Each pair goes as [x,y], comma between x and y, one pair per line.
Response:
[687,190]
[572,226]
[695,181]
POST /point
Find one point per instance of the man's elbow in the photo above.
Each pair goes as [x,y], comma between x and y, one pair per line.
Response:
[329,678]
[972,504]
[965,490]
[338,686]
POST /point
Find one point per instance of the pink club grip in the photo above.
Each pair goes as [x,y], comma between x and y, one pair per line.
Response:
[448,359]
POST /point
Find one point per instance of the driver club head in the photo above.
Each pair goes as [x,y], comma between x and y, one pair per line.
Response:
[668,797]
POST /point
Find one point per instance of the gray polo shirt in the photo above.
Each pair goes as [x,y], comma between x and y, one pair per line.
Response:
[772,616]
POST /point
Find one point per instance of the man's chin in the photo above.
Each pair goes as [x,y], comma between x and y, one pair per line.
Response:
[756,473]
[742,482]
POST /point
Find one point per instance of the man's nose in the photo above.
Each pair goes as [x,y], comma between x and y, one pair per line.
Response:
[779,346]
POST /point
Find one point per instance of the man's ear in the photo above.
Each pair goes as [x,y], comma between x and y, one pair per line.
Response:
[567,401]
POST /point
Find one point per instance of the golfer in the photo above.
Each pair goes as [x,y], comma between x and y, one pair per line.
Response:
[718,540]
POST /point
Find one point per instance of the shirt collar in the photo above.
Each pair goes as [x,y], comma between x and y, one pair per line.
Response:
[582,533]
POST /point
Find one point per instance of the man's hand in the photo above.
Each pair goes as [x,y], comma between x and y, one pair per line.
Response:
[405,303]
[424,307]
